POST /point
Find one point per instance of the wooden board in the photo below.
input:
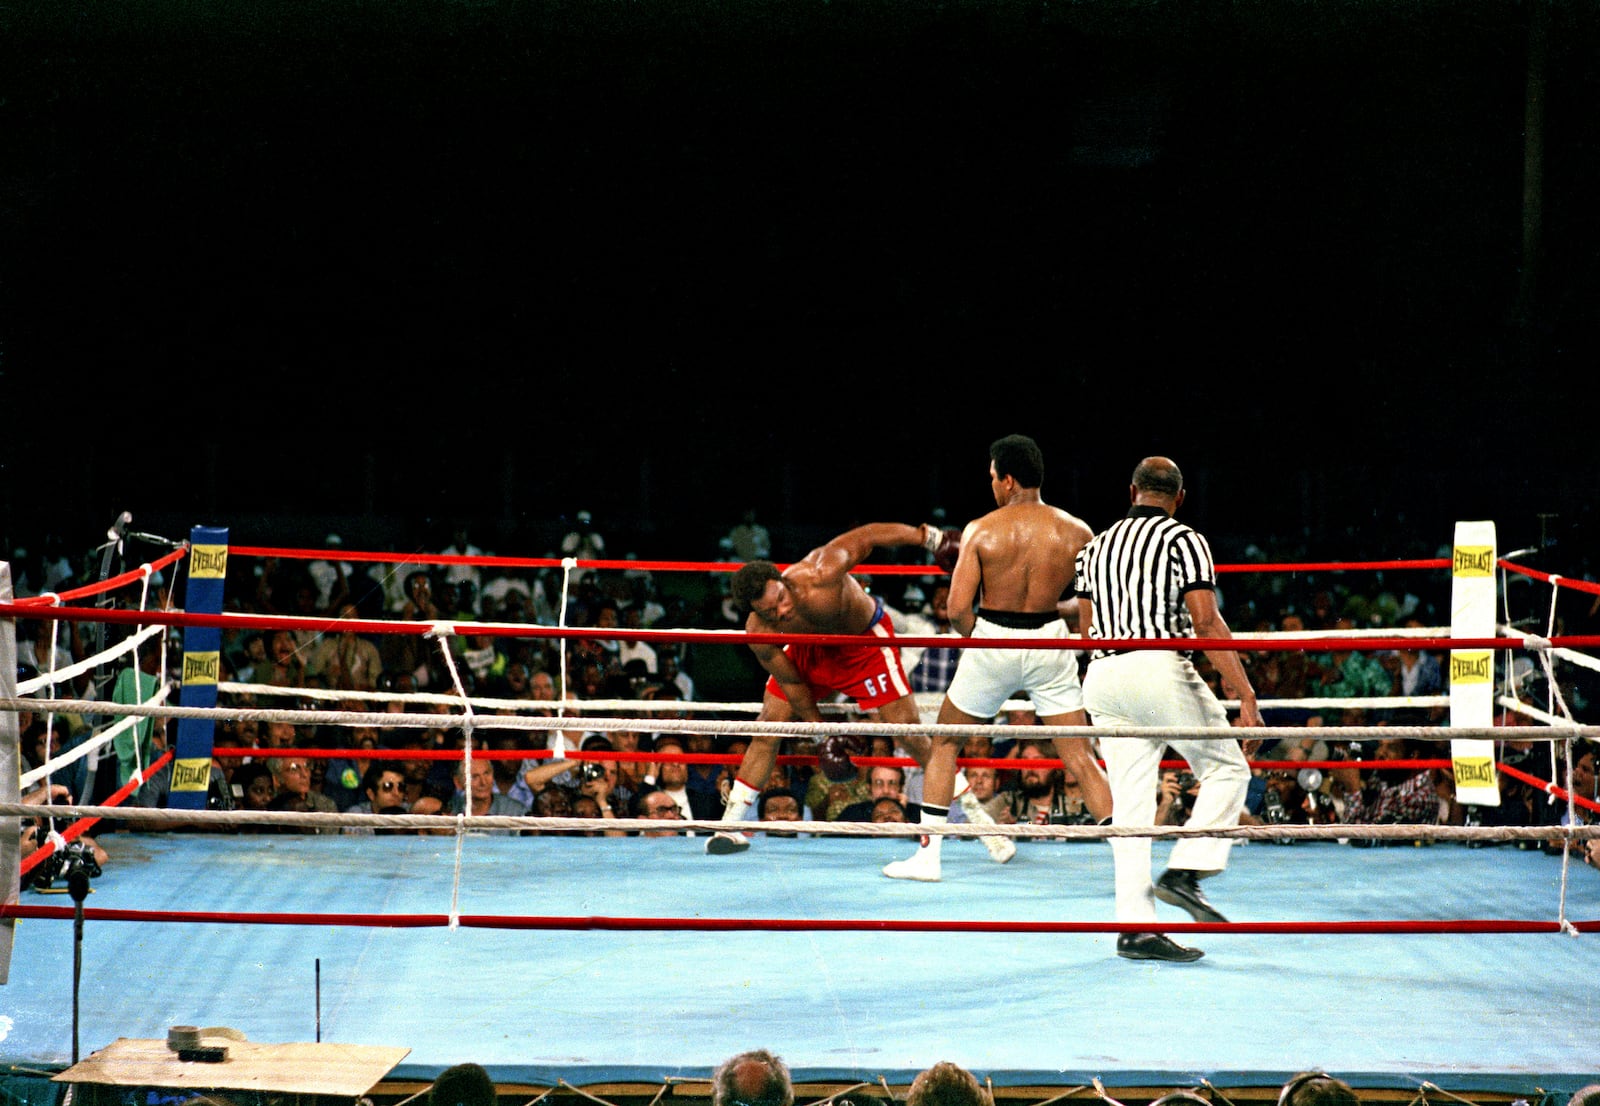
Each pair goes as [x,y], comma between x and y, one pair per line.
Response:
[303,1068]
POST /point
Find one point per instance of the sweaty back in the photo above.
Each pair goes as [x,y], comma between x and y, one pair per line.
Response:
[1026,552]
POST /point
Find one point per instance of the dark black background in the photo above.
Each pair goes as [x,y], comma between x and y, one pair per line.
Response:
[376,267]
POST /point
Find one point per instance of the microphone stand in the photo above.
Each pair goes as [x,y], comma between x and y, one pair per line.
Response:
[78,888]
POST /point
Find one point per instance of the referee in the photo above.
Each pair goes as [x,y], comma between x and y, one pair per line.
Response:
[1150,576]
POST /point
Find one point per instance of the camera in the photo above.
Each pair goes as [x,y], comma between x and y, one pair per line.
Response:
[589,771]
[1274,813]
[74,856]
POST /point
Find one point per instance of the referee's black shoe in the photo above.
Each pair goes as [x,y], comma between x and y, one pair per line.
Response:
[1154,946]
[1179,887]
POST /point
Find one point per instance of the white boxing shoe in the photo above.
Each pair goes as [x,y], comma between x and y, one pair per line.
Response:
[726,844]
[1001,849]
[919,866]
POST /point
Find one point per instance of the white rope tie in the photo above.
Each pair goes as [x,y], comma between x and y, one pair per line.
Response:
[568,564]
[455,876]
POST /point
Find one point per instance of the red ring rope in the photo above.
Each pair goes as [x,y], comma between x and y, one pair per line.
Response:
[795,925]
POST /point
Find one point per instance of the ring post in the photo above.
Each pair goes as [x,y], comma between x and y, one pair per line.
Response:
[202,652]
[10,776]
[1472,596]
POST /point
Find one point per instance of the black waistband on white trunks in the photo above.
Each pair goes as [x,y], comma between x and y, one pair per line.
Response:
[1019,620]
[1186,654]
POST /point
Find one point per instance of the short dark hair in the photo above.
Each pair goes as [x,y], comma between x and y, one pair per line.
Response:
[947,1084]
[1018,455]
[1315,1088]
[750,583]
[463,1085]
[773,793]
[1158,475]
[374,774]
[753,1078]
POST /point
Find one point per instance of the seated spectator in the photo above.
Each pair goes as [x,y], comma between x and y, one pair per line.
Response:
[1047,796]
[885,810]
[883,782]
[672,776]
[463,1085]
[1282,674]
[587,807]
[486,800]
[293,777]
[254,789]
[1315,1088]
[344,781]
[657,804]
[384,786]
[946,1084]
[778,805]
[985,786]
[754,1078]
[285,666]
[710,781]
[1415,672]
[1348,674]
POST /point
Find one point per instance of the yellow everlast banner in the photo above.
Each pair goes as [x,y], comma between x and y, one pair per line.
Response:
[1472,667]
[208,562]
[1472,560]
[191,775]
[1472,597]
[201,668]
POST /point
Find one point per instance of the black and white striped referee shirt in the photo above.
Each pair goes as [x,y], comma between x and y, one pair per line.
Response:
[1136,571]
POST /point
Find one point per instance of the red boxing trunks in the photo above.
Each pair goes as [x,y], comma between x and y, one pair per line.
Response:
[870,674]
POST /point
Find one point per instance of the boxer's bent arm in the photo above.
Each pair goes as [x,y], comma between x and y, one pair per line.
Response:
[854,546]
[794,685]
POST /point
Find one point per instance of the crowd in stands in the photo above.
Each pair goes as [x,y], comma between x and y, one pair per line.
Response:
[759,1077]
[1309,690]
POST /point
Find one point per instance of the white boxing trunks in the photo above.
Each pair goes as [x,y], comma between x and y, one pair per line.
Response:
[986,678]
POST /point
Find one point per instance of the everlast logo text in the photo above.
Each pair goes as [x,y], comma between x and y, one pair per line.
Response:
[1479,772]
[200,668]
[211,561]
[191,775]
[1469,668]
[1473,560]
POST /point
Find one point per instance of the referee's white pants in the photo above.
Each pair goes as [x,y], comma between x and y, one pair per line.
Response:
[1159,688]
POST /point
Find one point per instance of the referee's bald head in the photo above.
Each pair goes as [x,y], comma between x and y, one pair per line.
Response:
[1158,476]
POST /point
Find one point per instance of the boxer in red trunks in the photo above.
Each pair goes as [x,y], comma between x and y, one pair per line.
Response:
[817,595]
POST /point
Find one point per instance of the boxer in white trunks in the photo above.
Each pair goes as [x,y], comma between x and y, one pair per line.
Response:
[1018,559]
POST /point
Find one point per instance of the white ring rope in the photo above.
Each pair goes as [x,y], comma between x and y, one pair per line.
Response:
[151,816]
[925,700]
[79,668]
[784,729]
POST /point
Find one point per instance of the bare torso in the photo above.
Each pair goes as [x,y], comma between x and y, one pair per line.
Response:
[1025,555]
[825,602]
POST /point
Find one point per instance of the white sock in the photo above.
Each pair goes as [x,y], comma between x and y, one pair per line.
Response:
[932,816]
[741,796]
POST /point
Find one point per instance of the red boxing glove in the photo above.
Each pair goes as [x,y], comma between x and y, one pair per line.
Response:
[948,549]
[833,756]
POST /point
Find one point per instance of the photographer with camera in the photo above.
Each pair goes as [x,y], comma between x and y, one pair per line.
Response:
[1175,796]
[1047,796]
[1386,796]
